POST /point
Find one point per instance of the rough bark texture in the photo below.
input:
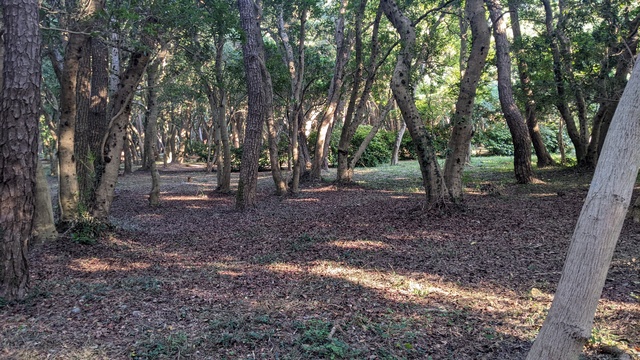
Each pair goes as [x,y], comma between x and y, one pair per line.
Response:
[432,179]
[568,325]
[19,111]
[325,125]
[462,132]
[247,184]
[515,121]
[544,158]
[113,143]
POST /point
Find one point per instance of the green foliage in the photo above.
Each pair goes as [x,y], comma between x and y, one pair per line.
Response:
[317,341]
[157,348]
[496,139]
[87,230]
[378,151]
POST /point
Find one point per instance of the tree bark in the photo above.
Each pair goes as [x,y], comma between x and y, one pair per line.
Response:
[224,148]
[401,85]
[396,146]
[19,112]
[325,125]
[515,121]
[257,103]
[462,132]
[113,143]
[570,319]
[544,158]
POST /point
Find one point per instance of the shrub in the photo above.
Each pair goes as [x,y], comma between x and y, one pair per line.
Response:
[496,139]
[378,151]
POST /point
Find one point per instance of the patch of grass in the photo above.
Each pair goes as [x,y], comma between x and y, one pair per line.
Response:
[318,340]
[171,346]
[87,230]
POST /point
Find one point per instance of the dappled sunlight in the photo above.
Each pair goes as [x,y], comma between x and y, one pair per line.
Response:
[360,244]
[95,265]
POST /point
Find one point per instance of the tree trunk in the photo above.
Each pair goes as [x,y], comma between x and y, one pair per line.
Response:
[68,190]
[378,122]
[151,128]
[515,121]
[325,125]
[544,158]
[19,112]
[401,85]
[462,132]
[44,227]
[561,98]
[252,54]
[396,146]
[568,324]
[351,123]
[113,143]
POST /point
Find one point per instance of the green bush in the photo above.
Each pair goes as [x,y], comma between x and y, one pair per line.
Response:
[378,151]
[496,139]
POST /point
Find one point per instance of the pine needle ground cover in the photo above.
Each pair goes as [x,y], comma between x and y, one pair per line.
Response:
[354,272]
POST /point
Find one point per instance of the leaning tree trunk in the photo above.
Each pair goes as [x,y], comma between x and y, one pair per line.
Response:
[544,158]
[515,121]
[113,143]
[395,154]
[568,325]
[247,184]
[432,179]
[19,112]
[462,132]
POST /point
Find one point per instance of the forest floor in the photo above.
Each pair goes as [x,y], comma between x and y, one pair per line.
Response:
[354,272]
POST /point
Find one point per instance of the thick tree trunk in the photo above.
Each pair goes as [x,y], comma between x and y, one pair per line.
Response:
[325,125]
[251,49]
[544,158]
[515,121]
[19,112]
[113,143]
[462,132]
[401,85]
[568,325]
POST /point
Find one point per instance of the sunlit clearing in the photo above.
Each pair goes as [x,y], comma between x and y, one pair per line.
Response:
[360,245]
[313,200]
[95,265]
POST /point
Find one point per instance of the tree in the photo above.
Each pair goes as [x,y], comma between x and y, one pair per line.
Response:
[568,324]
[515,121]
[253,54]
[401,85]
[19,112]
[544,158]
[458,147]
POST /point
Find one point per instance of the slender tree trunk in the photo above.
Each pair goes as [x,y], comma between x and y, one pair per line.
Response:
[568,324]
[44,227]
[378,122]
[515,121]
[251,49]
[401,84]
[561,98]
[462,132]
[272,131]
[396,146]
[325,125]
[544,158]
[19,111]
